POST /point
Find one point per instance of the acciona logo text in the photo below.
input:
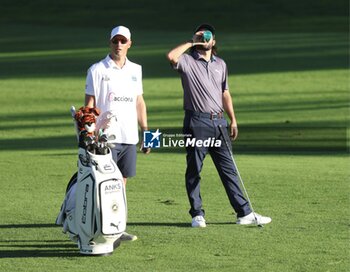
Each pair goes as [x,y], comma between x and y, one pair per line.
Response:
[113,97]
[191,142]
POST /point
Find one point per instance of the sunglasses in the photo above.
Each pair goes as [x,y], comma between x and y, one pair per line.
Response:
[122,41]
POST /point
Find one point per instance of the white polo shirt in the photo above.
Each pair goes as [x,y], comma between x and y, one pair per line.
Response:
[116,89]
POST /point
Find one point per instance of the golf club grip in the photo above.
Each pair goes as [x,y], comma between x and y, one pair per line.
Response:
[72,111]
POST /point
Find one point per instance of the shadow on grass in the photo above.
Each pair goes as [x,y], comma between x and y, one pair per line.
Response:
[52,248]
[244,54]
[39,253]
[36,248]
[159,224]
[25,226]
[283,139]
[181,225]
[47,143]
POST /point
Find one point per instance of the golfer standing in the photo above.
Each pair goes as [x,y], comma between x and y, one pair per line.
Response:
[204,79]
[114,85]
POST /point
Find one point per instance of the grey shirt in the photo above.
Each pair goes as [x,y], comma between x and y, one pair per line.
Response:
[203,82]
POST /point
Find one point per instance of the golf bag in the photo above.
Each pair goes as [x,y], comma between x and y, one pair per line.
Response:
[94,210]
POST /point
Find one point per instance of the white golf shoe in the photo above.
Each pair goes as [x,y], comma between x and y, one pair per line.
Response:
[251,219]
[198,222]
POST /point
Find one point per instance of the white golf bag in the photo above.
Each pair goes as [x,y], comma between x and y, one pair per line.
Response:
[94,210]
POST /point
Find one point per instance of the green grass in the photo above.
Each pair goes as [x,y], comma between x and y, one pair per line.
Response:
[309,207]
[231,15]
[291,96]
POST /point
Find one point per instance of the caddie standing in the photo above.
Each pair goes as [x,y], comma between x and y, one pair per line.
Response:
[114,85]
[204,79]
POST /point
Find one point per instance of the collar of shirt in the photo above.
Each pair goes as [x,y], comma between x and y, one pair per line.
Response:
[197,56]
[111,63]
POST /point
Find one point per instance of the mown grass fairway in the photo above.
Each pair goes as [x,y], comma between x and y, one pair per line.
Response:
[291,96]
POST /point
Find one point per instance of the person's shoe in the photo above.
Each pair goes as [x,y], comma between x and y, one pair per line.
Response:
[198,222]
[251,219]
[127,237]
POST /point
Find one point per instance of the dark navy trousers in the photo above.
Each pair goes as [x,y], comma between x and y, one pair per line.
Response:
[203,127]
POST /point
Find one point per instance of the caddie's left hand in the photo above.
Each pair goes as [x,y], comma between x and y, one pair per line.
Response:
[144,150]
[233,131]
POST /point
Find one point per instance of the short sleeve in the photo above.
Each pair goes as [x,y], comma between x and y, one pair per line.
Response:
[89,85]
[225,79]
[182,65]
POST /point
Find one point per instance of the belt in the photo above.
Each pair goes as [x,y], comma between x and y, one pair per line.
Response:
[209,115]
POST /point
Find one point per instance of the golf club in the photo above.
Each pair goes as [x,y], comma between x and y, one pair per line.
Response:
[238,174]
[72,111]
